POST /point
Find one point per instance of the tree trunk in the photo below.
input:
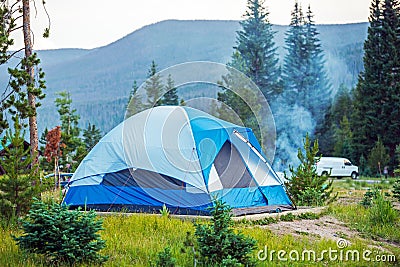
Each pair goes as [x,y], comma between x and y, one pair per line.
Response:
[33,132]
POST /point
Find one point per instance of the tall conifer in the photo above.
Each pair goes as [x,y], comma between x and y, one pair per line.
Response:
[377,95]
[256,46]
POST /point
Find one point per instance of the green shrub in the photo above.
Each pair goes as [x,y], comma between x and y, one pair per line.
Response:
[165,259]
[60,235]
[396,189]
[217,242]
[369,196]
[265,221]
[381,211]
[305,186]
[21,182]
[308,216]
[310,197]
[288,217]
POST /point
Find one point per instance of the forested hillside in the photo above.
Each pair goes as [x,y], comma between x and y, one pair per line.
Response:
[99,80]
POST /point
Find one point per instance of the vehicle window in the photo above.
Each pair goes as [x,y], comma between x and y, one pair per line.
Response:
[347,163]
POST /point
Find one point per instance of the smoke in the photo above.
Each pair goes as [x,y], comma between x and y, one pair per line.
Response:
[292,123]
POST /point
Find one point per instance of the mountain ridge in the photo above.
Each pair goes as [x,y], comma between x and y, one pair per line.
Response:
[100,79]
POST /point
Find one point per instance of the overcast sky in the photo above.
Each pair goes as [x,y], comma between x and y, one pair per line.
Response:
[94,23]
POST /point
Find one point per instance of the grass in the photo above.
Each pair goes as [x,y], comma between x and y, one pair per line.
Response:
[358,217]
[137,239]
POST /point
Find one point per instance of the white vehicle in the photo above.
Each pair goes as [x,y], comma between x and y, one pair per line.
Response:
[338,167]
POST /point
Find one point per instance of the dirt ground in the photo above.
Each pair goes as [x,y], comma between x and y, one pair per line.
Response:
[326,227]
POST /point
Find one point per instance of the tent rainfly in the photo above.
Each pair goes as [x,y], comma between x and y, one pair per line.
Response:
[179,157]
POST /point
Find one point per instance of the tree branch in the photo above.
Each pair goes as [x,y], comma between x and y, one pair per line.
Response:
[17,2]
[47,14]
[15,29]
[13,53]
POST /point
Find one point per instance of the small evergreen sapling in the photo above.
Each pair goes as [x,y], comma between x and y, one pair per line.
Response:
[305,186]
[21,182]
[217,242]
[396,190]
[62,236]
[165,259]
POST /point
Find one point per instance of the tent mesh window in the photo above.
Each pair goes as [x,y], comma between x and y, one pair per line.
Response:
[231,168]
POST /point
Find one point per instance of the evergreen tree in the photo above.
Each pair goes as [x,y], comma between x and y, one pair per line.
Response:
[295,61]
[306,94]
[219,244]
[363,166]
[44,164]
[170,97]
[69,127]
[317,95]
[234,95]
[391,88]
[342,105]
[42,140]
[26,83]
[255,45]
[306,80]
[305,186]
[325,132]
[21,182]
[344,140]
[153,87]
[135,104]
[91,136]
[377,95]
[378,158]
[396,190]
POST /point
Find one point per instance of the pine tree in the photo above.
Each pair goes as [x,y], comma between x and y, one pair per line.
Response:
[344,140]
[26,82]
[306,80]
[69,127]
[255,45]
[219,244]
[305,186]
[135,104]
[378,158]
[239,101]
[391,88]
[21,182]
[91,136]
[377,95]
[396,190]
[325,132]
[295,61]
[42,140]
[318,86]
[153,87]
[170,97]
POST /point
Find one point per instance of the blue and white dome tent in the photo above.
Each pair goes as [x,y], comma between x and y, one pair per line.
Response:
[180,157]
